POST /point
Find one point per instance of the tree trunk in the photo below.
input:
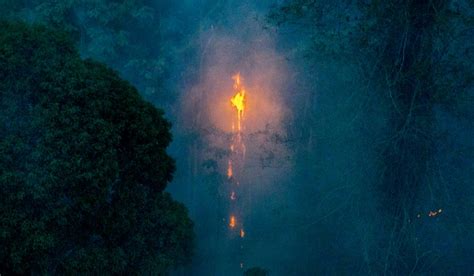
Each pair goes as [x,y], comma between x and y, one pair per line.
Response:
[407,64]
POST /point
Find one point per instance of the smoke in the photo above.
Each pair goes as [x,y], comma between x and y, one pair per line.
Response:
[248,49]
[313,128]
[264,75]
[241,46]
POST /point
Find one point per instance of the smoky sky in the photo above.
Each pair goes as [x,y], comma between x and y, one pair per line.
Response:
[315,131]
[314,127]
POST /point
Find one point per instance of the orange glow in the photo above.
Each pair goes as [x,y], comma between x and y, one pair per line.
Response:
[237,148]
[229,169]
[232,222]
[238,101]
[236,79]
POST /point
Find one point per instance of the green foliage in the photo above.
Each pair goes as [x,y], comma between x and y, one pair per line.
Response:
[135,37]
[83,166]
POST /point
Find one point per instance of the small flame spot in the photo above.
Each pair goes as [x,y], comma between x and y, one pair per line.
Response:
[232,222]
[229,169]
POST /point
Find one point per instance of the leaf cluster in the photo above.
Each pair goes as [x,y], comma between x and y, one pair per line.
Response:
[83,165]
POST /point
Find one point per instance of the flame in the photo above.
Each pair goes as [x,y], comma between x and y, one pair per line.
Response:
[435,213]
[431,213]
[237,149]
[238,101]
[229,169]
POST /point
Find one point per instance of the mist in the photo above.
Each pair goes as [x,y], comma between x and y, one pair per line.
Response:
[313,197]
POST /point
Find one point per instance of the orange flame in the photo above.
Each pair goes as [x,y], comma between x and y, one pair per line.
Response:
[229,169]
[238,101]
[232,222]
[237,146]
[434,213]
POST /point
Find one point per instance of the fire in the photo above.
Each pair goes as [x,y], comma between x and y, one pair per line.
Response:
[232,222]
[237,153]
[229,169]
[434,213]
[431,213]
[238,101]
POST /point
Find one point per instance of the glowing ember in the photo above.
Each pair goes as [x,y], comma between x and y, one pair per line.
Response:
[232,222]
[242,233]
[229,169]
[434,213]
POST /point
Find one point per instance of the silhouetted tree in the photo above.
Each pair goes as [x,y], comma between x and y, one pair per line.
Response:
[83,166]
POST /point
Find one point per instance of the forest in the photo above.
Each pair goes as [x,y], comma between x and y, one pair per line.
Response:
[225,137]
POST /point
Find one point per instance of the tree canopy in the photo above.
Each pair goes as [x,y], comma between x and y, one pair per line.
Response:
[83,165]
[137,37]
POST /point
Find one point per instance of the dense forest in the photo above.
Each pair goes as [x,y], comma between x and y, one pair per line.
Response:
[225,137]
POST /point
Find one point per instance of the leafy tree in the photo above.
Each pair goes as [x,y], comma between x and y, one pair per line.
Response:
[139,38]
[83,166]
